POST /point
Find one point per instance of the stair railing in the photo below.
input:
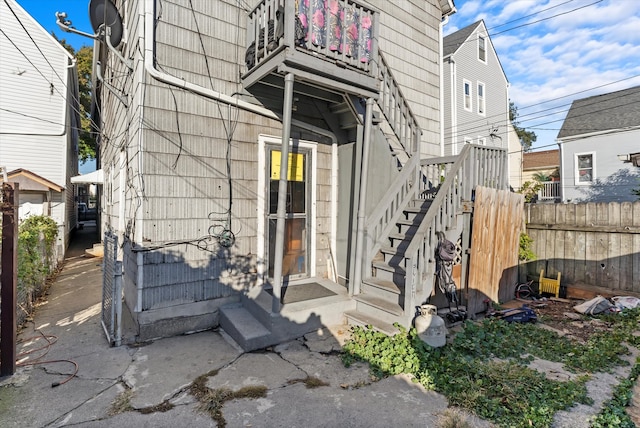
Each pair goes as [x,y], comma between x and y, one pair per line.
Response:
[396,110]
[454,183]
[383,218]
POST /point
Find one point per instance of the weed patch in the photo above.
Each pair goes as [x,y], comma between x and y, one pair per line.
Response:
[484,369]
[122,403]
[310,382]
[212,400]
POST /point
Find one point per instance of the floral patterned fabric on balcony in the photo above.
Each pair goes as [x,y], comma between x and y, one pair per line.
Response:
[345,31]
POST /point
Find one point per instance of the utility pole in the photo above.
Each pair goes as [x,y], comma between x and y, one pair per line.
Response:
[9,278]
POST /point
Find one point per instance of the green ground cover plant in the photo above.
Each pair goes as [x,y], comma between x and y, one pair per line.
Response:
[484,369]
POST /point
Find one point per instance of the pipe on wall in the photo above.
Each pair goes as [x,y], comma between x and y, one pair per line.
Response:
[150,67]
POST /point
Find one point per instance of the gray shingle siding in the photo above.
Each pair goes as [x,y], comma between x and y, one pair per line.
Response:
[461,54]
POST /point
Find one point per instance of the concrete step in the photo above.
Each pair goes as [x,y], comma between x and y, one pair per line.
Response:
[244,328]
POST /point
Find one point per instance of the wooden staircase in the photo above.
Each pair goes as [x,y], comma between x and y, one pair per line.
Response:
[381,301]
[436,196]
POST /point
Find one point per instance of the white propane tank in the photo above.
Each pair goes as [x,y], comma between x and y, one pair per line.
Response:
[430,326]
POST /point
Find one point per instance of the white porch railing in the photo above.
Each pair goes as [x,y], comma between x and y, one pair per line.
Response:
[550,191]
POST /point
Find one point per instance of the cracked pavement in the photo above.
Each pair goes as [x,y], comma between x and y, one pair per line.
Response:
[148,385]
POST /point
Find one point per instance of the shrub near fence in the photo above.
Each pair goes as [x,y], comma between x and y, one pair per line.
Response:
[594,245]
[36,261]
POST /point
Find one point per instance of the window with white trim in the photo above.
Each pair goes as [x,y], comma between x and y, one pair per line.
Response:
[585,168]
[468,101]
[482,48]
[482,141]
[481,99]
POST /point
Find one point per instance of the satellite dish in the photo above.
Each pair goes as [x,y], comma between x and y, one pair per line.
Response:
[104,13]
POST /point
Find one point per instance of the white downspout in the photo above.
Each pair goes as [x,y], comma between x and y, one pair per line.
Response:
[149,66]
[444,22]
[454,109]
[334,209]
[562,173]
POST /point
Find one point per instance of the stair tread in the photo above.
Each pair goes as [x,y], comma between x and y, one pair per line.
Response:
[382,304]
[391,250]
[377,324]
[384,284]
[404,222]
[415,210]
[386,266]
[398,235]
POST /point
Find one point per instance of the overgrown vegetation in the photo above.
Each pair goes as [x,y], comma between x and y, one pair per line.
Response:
[84,62]
[527,138]
[525,252]
[530,190]
[485,370]
[36,239]
[614,414]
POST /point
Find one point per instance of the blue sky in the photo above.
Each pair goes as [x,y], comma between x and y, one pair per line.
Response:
[556,51]
[552,51]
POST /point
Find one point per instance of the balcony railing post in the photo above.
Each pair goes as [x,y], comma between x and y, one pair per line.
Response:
[289,24]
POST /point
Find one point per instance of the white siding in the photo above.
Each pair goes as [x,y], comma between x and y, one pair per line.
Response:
[38,107]
[614,179]
[515,159]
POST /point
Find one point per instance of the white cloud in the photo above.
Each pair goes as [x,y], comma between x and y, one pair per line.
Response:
[571,55]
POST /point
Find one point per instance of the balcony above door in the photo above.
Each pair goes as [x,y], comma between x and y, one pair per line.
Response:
[330,46]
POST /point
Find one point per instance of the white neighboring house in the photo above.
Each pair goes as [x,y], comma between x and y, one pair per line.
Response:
[595,133]
[516,157]
[39,118]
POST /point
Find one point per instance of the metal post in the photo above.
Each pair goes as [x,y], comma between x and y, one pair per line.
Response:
[117,304]
[368,123]
[9,278]
[282,193]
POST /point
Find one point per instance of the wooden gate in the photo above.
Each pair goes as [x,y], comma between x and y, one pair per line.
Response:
[495,238]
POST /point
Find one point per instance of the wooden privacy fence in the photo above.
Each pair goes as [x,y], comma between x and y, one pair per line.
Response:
[493,268]
[596,245]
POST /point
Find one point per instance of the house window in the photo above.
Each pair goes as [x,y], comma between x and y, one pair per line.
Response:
[482,141]
[482,48]
[585,168]
[468,141]
[467,95]
[481,102]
